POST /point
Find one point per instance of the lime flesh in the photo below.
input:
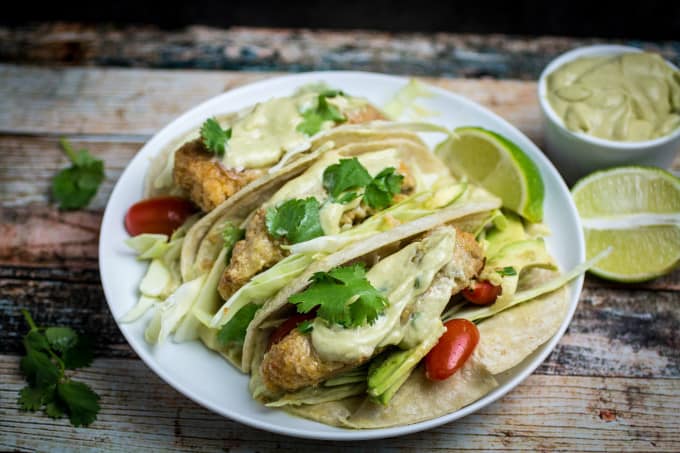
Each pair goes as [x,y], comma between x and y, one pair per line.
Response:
[498,165]
[636,211]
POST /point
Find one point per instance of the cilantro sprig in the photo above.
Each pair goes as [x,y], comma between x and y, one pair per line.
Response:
[313,118]
[50,351]
[214,137]
[382,189]
[349,174]
[298,220]
[343,296]
[74,187]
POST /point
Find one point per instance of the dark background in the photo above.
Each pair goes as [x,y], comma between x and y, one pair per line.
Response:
[637,19]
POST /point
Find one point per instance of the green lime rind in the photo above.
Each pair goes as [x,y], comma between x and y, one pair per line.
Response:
[533,191]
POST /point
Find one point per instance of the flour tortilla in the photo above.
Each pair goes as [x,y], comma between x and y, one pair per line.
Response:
[505,341]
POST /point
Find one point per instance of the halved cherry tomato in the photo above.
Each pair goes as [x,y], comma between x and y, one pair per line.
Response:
[288,325]
[452,350]
[161,215]
[482,293]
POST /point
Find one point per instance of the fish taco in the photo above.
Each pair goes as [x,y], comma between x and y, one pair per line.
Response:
[358,279]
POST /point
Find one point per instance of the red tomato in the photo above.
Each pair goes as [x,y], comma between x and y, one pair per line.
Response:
[288,325]
[452,350]
[482,293]
[161,215]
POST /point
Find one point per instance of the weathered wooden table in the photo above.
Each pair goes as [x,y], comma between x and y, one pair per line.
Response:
[613,383]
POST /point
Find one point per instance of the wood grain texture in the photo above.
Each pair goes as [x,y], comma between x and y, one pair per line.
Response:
[545,413]
[434,54]
[133,104]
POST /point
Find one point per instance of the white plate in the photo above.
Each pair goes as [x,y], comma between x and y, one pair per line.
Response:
[205,377]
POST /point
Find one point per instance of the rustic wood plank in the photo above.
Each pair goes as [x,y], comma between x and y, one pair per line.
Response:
[551,413]
[136,103]
[626,333]
[442,54]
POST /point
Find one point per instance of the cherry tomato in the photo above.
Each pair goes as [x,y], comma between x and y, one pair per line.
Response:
[158,215]
[288,325]
[452,350]
[482,293]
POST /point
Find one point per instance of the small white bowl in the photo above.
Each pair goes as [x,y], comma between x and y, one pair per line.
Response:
[576,154]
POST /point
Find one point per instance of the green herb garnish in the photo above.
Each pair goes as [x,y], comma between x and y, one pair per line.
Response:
[74,187]
[313,118]
[305,326]
[214,137]
[49,352]
[344,296]
[508,271]
[298,220]
[381,190]
[345,175]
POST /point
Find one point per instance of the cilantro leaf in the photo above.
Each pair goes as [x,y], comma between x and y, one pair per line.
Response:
[345,175]
[380,192]
[80,354]
[231,234]
[347,197]
[74,187]
[305,326]
[313,118]
[61,338]
[48,355]
[214,137]
[235,330]
[36,341]
[298,220]
[81,401]
[31,398]
[39,369]
[344,296]
[508,271]
[54,410]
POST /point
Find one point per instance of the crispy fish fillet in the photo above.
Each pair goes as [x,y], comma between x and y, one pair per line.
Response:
[209,183]
[256,252]
[293,363]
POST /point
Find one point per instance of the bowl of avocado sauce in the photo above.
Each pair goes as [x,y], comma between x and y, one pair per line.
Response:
[610,105]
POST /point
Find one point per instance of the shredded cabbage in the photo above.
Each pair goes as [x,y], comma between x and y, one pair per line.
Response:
[263,286]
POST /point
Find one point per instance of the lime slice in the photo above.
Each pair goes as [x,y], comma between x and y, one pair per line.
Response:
[498,165]
[636,210]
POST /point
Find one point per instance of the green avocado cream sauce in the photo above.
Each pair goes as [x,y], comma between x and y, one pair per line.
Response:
[628,97]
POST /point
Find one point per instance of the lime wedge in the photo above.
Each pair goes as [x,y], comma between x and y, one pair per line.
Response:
[498,165]
[636,210]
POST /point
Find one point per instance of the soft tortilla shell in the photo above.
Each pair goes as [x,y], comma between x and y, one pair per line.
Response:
[509,337]
[418,399]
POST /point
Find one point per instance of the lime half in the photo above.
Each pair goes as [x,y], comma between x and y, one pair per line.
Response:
[636,211]
[498,165]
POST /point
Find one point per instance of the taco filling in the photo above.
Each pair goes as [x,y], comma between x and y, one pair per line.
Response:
[340,262]
[237,149]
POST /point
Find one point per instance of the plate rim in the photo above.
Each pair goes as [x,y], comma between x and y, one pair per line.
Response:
[345,434]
